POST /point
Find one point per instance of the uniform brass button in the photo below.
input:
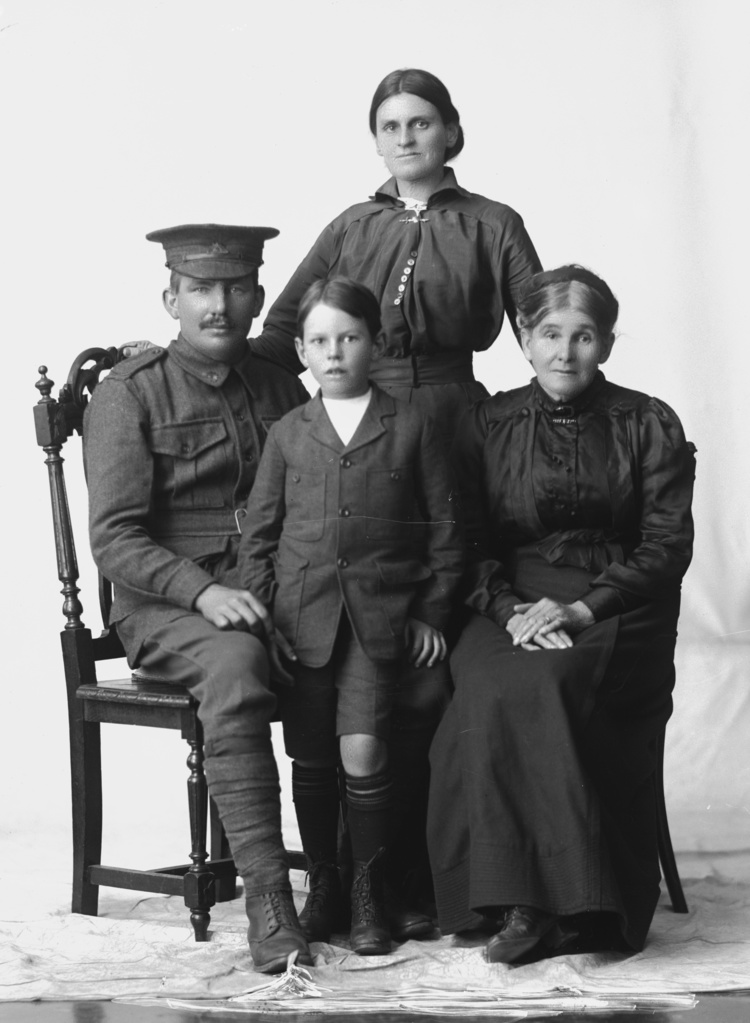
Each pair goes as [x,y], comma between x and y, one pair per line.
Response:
[343,562]
[344,512]
[395,475]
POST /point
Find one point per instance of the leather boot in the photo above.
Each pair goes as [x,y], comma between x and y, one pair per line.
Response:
[370,934]
[274,932]
[404,921]
[323,902]
[523,928]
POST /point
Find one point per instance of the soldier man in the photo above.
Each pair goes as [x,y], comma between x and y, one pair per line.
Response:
[172,440]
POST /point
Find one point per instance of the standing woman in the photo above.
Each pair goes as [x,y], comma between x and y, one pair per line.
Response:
[446,266]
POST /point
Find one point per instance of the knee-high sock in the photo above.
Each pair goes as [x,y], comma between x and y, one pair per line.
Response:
[315,791]
[369,802]
[245,787]
[410,769]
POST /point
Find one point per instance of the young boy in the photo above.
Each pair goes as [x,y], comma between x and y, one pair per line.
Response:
[352,541]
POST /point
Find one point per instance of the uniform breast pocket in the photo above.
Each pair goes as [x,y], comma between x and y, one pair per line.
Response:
[192,462]
[389,504]
[305,496]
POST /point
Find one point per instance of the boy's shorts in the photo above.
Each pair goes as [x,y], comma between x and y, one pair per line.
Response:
[348,696]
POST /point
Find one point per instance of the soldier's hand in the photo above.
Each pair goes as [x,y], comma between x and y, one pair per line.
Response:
[227,608]
[280,653]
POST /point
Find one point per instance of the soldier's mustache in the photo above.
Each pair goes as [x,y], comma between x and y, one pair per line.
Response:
[217,321]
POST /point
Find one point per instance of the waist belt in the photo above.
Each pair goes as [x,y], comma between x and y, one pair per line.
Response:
[414,370]
[195,522]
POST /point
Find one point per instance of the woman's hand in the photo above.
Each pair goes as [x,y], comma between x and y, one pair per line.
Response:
[426,645]
[548,624]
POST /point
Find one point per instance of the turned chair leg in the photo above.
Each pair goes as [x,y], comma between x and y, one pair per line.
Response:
[199,888]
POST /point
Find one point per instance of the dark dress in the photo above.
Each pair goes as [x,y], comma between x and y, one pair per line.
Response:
[445,280]
[542,767]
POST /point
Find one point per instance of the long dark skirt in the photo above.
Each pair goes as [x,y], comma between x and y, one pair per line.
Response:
[542,768]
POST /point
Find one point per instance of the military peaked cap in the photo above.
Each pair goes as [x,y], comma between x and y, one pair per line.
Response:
[213,251]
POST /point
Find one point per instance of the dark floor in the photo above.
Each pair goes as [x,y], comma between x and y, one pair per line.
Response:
[712,1008]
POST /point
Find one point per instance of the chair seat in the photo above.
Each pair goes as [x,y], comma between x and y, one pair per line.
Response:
[138,690]
[139,701]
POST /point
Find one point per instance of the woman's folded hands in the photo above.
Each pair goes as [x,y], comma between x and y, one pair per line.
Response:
[548,624]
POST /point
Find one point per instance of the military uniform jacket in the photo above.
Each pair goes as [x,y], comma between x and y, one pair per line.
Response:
[172,441]
[370,527]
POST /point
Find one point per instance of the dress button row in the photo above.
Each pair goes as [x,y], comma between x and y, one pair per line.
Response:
[413,253]
[397,301]
[410,262]
[343,562]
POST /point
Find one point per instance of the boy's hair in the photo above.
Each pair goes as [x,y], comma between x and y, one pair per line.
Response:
[344,294]
[175,277]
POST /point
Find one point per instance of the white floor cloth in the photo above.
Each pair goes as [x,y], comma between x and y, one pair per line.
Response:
[141,947]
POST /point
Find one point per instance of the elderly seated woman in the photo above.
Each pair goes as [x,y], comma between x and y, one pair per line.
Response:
[577,495]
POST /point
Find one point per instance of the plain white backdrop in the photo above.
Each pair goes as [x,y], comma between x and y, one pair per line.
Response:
[617,128]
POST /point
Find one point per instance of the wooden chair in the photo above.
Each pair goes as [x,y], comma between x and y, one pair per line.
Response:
[135,700]
[664,840]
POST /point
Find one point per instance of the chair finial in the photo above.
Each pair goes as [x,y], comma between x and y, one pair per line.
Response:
[44,385]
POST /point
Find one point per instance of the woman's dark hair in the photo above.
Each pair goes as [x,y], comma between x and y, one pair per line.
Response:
[427,87]
[549,290]
[344,294]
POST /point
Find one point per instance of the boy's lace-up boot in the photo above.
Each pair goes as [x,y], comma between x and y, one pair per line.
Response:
[323,903]
[370,934]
